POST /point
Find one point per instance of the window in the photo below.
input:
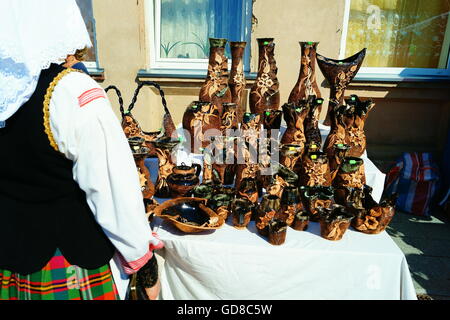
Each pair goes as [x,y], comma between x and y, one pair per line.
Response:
[86,10]
[404,38]
[179,30]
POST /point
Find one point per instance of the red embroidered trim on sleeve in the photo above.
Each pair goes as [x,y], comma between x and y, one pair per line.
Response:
[90,95]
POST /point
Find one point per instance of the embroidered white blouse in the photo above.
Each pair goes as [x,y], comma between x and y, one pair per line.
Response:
[87,131]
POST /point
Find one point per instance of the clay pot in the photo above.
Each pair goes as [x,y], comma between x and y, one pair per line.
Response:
[264,93]
[306,84]
[315,170]
[215,88]
[376,217]
[181,185]
[241,210]
[294,115]
[351,173]
[334,222]
[221,203]
[301,221]
[164,148]
[339,123]
[277,232]
[224,168]
[236,81]
[202,121]
[339,74]
[265,212]
[316,197]
[271,120]
[291,204]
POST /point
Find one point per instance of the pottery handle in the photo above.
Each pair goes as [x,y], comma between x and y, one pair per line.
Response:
[198,168]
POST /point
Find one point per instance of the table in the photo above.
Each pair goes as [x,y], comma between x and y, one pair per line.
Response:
[240,264]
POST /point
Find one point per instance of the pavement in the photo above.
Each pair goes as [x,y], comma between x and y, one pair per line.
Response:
[426,245]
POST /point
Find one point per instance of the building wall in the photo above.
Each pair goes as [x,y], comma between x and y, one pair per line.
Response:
[407,117]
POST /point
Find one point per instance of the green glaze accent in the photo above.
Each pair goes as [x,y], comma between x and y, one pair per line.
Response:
[297,109]
[310,42]
[266,43]
[217,42]
[267,113]
[194,107]
[314,157]
[319,101]
[352,162]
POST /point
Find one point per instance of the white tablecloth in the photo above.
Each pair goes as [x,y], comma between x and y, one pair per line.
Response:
[240,264]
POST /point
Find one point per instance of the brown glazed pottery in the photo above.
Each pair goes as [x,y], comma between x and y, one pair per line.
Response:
[271,120]
[290,154]
[208,161]
[223,166]
[306,84]
[140,153]
[315,170]
[341,119]
[241,210]
[248,189]
[264,93]
[164,148]
[294,115]
[291,204]
[189,215]
[236,81]
[221,204]
[202,120]
[205,191]
[311,123]
[316,197]
[301,221]
[354,135]
[376,216]
[351,173]
[230,118]
[334,222]
[131,126]
[184,169]
[215,88]
[265,212]
[277,232]
[339,74]
[335,159]
[181,185]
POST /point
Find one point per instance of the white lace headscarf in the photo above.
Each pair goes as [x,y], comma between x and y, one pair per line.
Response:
[34,34]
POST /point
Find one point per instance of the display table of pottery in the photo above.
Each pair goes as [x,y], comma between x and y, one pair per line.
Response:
[228,263]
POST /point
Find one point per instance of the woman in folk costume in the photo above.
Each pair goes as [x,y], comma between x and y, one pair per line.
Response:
[71,209]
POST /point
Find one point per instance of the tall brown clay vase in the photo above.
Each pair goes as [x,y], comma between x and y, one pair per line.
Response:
[236,81]
[166,162]
[339,73]
[294,115]
[215,88]
[264,93]
[306,84]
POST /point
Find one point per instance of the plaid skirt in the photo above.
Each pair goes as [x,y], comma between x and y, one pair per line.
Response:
[59,280]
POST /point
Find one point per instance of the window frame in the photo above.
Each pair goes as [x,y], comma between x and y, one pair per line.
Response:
[393,73]
[153,30]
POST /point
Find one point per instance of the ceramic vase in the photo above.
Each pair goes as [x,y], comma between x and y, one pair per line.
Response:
[236,81]
[264,93]
[166,162]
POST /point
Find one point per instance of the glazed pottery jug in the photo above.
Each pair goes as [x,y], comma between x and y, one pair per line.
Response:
[301,221]
[166,161]
[236,81]
[271,120]
[202,120]
[277,232]
[241,210]
[184,169]
[224,171]
[215,88]
[340,120]
[339,74]
[221,203]
[334,222]
[248,189]
[204,191]
[306,84]
[294,115]
[264,93]
[315,170]
[265,212]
